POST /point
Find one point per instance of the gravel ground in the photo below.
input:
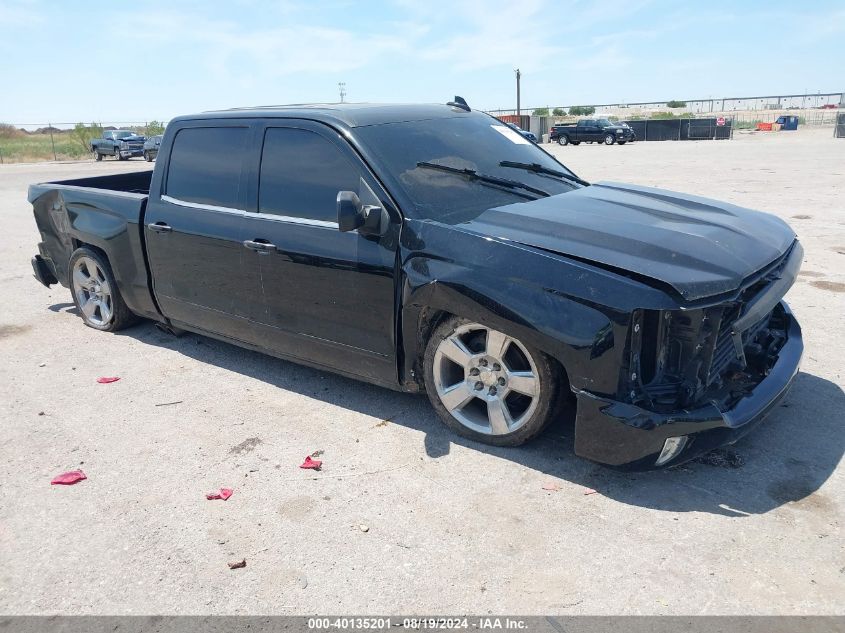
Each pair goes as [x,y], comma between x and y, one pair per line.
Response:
[405,517]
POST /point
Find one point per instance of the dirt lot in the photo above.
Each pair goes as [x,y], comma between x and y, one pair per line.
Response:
[453,527]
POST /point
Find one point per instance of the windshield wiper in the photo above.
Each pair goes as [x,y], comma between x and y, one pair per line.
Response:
[492,180]
[537,168]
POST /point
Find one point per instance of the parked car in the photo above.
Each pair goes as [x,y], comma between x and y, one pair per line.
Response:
[628,127]
[525,133]
[592,131]
[122,144]
[424,248]
[151,146]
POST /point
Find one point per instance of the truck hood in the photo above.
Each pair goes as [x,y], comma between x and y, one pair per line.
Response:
[698,246]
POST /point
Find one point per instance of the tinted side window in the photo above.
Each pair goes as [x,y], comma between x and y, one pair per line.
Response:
[301,173]
[205,165]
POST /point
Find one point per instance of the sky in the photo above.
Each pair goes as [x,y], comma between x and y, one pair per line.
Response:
[135,61]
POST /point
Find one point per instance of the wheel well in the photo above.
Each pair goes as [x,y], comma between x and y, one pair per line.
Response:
[430,319]
[79,244]
[427,322]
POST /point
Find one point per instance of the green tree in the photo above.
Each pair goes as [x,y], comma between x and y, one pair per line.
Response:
[581,110]
[676,104]
[154,128]
[82,134]
[541,112]
[559,112]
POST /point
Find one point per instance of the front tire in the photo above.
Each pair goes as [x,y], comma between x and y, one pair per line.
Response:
[117,154]
[95,292]
[488,386]
[609,139]
[147,157]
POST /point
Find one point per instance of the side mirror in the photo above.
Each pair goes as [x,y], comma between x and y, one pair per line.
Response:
[350,211]
[351,214]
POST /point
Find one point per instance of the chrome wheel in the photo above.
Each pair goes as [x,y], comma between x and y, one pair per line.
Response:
[486,380]
[93,292]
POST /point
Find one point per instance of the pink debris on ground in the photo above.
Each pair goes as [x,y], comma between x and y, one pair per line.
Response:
[313,464]
[104,380]
[223,493]
[590,491]
[68,479]
[551,485]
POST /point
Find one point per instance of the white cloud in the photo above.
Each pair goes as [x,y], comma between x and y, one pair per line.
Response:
[227,48]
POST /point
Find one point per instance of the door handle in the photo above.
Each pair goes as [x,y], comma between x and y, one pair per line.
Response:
[262,247]
[160,227]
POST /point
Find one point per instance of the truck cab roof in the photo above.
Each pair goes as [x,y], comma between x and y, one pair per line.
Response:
[346,114]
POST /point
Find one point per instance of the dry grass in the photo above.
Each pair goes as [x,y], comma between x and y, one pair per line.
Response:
[20,147]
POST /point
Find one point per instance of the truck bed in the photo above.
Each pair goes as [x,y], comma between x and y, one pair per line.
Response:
[130,182]
[105,212]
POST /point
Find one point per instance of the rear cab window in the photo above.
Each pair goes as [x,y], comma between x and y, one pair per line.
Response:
[205,166]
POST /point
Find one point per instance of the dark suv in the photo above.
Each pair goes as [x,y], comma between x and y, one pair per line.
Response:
[151,147]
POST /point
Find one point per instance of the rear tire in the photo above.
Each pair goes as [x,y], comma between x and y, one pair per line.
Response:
[519,385]
[563,140]
[95,292]
[97,155]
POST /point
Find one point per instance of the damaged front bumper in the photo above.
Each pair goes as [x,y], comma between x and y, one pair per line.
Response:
[626,435]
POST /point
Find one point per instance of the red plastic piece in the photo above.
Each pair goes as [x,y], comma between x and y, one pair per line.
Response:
[223,493]
[313,464]
[104,380]
[69,478]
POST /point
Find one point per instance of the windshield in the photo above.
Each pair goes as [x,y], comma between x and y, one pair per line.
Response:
[472,141]
[122,133]
[604,122]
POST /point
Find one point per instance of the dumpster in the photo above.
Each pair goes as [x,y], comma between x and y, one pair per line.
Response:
[788,122]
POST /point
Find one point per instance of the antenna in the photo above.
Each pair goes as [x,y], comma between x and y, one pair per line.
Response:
[459,102]
[341,87]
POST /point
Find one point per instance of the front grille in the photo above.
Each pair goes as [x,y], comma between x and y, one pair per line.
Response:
[724,354]
[689,355]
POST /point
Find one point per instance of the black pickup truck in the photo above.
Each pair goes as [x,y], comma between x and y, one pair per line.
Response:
[122,144]
[592,131]
[432,248]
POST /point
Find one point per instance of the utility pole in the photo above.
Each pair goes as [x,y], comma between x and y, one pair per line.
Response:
[341,86]
[518,75]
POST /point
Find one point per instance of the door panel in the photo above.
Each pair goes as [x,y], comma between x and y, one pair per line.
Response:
[196,266]
[328,296]
[193,232]
[324,284]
